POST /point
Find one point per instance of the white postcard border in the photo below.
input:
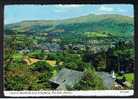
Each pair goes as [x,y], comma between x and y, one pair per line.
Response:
[69,93]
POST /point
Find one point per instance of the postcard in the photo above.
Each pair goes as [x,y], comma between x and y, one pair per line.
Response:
[69,50]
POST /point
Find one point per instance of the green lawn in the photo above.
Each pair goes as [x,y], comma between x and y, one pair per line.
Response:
[17,56]
[129,77]
[95,34]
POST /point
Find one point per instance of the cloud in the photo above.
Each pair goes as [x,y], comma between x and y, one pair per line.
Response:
[110,9]
[64,8]
[59,10]
[106,8]
[69,6]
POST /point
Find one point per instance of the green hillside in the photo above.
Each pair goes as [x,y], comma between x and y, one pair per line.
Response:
[116,25]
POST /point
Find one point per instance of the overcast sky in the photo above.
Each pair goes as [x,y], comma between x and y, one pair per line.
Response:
[17,13]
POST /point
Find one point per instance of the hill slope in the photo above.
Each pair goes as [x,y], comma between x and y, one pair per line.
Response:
[117,25]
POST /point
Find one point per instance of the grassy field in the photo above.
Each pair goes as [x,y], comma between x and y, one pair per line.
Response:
[129,77]
[17,56]
[95,34]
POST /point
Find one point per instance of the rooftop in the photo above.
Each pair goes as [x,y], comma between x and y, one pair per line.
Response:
[67,77]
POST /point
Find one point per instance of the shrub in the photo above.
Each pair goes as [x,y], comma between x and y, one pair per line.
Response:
[42,66]
[15,83]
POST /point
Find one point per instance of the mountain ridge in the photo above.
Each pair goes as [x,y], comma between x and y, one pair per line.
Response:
[69,18]
[113,23]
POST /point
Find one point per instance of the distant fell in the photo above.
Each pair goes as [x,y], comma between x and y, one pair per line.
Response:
[117,25]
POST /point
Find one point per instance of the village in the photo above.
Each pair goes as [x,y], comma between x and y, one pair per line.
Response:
[65,77]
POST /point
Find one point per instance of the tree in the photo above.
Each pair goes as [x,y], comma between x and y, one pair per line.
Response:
[15,83]
[99,61]
[52,56]
[9,50]
[90,81]
[88,56]
[42,66]
[71,65]
[39,54]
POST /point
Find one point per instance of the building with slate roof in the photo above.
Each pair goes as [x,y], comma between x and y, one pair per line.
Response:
[66,77]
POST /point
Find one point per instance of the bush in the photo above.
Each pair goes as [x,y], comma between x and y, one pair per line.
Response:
[38,54]
[52,56]
[15,83]
[44,77]
[42,66]
[71,65]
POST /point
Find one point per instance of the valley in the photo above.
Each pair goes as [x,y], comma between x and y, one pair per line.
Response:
[82,53]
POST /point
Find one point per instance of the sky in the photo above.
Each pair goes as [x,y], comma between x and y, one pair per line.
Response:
[17,13]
